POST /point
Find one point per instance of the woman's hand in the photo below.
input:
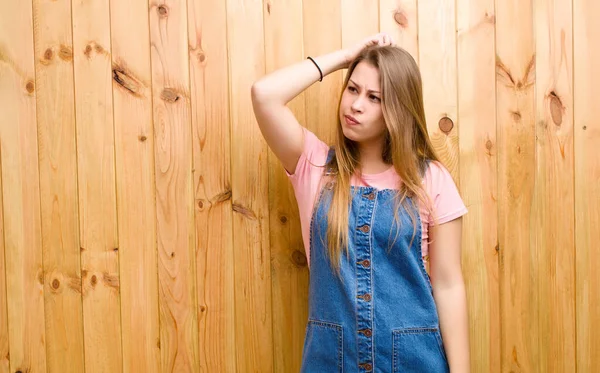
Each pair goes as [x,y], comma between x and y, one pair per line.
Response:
[382,39]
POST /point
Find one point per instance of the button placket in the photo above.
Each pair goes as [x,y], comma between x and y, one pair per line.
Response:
[364,278]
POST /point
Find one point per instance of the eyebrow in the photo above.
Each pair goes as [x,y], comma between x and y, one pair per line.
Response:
[370,90]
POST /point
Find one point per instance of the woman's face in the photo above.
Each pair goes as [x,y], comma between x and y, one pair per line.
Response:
[360,109]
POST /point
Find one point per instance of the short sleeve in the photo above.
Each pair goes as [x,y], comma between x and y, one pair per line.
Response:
[445,197]
[314,153]
[306,179]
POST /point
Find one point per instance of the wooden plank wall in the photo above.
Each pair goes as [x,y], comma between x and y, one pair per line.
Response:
[145,225]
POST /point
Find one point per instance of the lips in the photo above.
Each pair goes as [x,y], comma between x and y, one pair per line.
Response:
[351,120]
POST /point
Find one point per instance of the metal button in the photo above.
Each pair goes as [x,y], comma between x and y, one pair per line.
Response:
[365,297]
[366,366]
[365,228]
[367,332]
[370,196]
[365,263]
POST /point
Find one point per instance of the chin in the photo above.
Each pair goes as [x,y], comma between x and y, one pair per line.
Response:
[349,134]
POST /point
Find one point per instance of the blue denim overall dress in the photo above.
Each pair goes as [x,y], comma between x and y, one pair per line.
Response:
[379,315]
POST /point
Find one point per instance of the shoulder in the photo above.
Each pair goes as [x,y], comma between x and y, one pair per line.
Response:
[436,175]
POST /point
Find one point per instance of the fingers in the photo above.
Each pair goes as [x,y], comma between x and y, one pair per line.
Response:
[386,40]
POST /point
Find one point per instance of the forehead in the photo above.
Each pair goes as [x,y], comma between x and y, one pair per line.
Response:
[366,75]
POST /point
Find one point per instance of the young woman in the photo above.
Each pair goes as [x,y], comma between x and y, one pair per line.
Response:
[374,209]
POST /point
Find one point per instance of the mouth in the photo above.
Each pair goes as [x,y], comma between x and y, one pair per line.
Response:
[350,120]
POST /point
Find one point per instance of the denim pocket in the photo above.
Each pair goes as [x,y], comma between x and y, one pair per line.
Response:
[418,350]
[323,347]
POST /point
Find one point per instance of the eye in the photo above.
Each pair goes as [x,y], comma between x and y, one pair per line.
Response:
[375,98]
[352,89]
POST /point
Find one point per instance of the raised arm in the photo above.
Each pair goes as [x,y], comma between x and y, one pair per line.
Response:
[271,94]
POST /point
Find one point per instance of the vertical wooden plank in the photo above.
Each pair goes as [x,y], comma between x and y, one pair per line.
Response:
[553,194]
[96,175]
[135,181]
[399,19]
[437,56]
[253,315]
[322,98]
[4,342]
[360,19]
[58,184]
[587,185]
[478,177]
[174,198]
[515,80]
[23,307]
[212,185]
[283,47]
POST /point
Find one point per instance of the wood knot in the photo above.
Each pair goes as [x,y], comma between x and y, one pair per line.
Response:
[556,108]
[116,249]
[94,280]
[126,81]
[163,11]
[65,53]
[202,308]
[269,7]
[98,48]
[446,124]
[30,86]
[142,138]
[48,54]
[401,19]
[488,145]
[88,51]
[299,258]
[201,205]
[169,95]
[283,219]
[173,254]
[516,116]
[584,128]
[201,57]
[55,284]
[244,211]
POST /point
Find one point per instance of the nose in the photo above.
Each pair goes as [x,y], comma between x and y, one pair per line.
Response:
[357,104]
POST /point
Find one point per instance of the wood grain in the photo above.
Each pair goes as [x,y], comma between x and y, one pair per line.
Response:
[174,193]
[96,177]
[23,342]
[553,194]
[58,184]
[322,98]
[4,343]
[587,182]
[289,267]
[360,19]
[399,19]
[250,198]
[212,185]
[515,90]
[135,185]
[437,58]
[478,178]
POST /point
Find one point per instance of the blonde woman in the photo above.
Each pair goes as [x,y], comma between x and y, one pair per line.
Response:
[374,208]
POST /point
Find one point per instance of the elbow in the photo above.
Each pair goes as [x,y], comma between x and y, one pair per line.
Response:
[258,93]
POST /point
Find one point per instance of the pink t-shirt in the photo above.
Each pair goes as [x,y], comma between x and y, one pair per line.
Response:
[438,183]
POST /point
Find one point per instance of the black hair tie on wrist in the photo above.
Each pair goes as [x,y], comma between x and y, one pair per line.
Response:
[318,68]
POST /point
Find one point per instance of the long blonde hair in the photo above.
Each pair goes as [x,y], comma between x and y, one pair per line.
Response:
[407,144]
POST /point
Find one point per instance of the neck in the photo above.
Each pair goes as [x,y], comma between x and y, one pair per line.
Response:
[371,161]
